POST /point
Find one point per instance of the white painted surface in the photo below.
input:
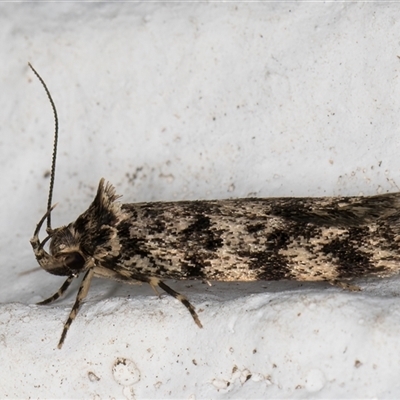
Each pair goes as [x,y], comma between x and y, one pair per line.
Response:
[194,101]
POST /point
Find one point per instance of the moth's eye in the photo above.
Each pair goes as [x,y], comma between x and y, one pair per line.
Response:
[61,240]
[74,262]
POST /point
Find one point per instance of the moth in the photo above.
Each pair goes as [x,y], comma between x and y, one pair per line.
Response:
[331,239]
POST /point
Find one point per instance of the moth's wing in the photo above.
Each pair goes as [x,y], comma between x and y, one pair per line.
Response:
[342,211]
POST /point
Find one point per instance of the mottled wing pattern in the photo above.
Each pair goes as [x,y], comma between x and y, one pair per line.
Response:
[302,239]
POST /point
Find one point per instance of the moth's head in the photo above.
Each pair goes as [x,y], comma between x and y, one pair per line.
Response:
[64,257]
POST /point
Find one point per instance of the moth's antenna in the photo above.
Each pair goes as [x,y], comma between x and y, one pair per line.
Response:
[54,155]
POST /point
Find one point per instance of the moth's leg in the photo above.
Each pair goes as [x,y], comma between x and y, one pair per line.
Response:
[29,271]
[127,276]
[60,292]
[345,285]
[155,290]
[82,293]
[157,282]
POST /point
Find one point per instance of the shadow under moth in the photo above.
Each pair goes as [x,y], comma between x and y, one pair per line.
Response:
[331,239]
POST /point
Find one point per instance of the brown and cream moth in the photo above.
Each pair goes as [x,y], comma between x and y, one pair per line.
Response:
[331,239]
